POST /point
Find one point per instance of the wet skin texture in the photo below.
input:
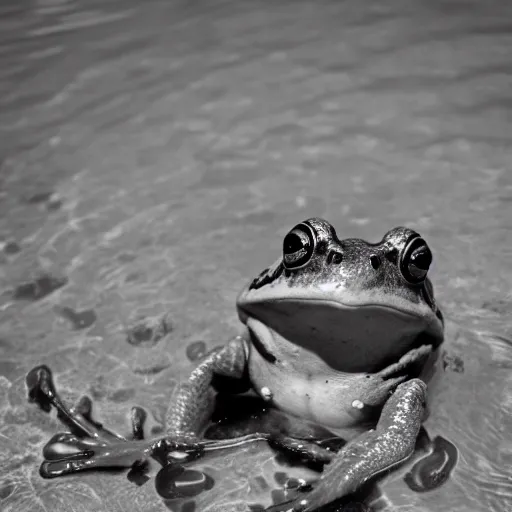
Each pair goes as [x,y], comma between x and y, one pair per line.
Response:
[340,333]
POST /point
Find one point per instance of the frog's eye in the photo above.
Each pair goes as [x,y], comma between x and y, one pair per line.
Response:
[415,261]
[298,247]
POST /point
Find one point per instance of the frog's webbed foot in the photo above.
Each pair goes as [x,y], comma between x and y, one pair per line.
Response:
[373,452]
[91,445]
[41,390]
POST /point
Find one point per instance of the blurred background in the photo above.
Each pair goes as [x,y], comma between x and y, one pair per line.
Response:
[153,155]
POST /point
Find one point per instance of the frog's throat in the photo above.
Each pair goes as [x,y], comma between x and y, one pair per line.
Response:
[353,340]
[280,310]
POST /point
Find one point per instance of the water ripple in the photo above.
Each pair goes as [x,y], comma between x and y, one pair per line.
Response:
[191,129]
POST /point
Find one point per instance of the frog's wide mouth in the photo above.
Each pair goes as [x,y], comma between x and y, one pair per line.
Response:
[347,305]
[351,337]
[404,300]
[394,306]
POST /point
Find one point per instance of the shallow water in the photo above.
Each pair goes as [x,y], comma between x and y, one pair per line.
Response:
[153,154]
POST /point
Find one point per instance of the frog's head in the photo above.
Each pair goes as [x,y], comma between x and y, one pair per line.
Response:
[357,305]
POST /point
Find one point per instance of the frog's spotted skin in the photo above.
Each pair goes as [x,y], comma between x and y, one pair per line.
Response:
[343,297]
[352,272]
[338,332]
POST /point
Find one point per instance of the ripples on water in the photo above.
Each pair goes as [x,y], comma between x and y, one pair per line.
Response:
[150,151]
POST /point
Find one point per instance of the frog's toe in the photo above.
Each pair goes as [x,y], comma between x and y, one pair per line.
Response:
[374,391]
[66,453]
[72,457]
[302,449]
[66,445]
[138,418]
[79,419]
[84,407]
[40,387]
[54,469]
[408,365]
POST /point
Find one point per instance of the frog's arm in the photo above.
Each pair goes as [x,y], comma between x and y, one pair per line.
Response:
[391,443]
[190,405]
[373,452]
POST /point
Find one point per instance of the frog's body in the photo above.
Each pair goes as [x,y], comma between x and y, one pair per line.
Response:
[320,329]
[337,331]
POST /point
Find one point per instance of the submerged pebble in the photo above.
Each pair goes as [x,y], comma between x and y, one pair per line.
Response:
[6,490]
[196,350]
[51,200]
[280,477]
[39,197]
[453,363]
[138,475]
[11,247]
[39,287]
[78,319]
[149,331]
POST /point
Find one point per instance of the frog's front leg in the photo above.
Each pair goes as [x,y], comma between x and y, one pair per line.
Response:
[97,447]
[391,443]
[192,402]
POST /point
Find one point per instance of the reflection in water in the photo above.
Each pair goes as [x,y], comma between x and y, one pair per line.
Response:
[434,470]
[150,152]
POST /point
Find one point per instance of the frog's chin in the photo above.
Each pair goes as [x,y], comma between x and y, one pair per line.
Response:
[348,339]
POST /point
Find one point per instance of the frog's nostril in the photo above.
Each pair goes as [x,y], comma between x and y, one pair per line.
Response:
[334,257]
[375,261]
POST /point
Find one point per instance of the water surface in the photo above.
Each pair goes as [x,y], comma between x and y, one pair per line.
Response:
[154,153]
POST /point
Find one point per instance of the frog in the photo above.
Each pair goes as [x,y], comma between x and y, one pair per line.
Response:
[339,332]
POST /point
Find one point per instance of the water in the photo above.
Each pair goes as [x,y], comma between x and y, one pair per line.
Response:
[153,154]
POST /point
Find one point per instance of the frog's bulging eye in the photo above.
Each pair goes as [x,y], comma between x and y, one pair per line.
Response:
[415,261]
[298,247]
